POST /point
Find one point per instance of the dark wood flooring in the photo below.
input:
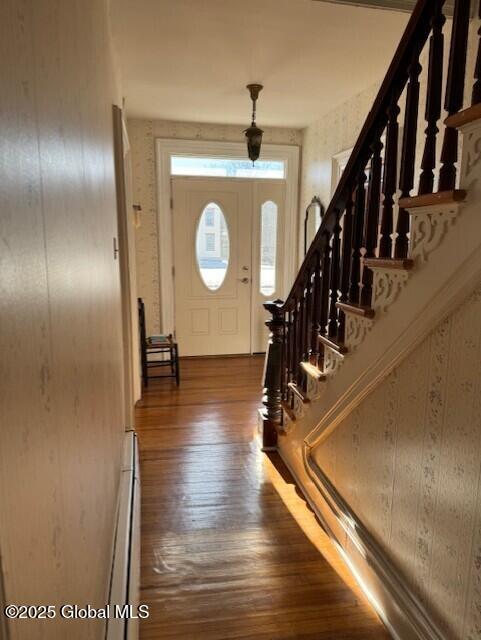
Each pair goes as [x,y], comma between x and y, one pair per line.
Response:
[229,549]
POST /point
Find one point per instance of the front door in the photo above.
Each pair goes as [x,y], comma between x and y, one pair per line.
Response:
[228,248]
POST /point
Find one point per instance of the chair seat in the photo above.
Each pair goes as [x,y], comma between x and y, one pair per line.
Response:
[157,344]
[160,341]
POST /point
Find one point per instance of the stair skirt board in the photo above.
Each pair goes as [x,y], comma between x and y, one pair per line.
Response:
[125,575]
[402,614]
[384,586]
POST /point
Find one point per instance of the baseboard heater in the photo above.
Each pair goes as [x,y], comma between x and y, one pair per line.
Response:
[125,575]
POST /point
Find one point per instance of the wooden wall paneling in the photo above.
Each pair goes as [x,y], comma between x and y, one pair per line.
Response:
[60,308]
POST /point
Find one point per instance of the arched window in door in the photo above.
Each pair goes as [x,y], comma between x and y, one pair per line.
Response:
[212,246]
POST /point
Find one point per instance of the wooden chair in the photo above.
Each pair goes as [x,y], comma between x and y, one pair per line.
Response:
[154,345]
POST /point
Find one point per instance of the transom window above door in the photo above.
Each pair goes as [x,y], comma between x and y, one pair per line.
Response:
[227,168]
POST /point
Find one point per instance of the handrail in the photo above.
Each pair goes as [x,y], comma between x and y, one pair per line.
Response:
[336,279]
[415,35]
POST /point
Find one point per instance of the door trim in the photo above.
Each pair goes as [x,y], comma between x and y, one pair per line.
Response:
[124,255]
[164,149]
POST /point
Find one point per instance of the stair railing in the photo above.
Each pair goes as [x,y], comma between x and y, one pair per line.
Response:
[358,223]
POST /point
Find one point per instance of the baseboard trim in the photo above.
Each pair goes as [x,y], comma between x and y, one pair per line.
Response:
[125,574]
[411,619]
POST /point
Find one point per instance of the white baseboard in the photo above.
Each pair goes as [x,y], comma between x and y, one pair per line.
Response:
[125,577]
[392,599]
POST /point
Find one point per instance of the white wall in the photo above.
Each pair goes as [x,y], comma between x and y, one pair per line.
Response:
[61,377]
[142,134]
[408,462]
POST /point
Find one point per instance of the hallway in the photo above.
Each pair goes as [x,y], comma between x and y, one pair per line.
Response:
[229,550]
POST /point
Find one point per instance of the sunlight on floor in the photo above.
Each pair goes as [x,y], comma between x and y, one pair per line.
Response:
[307,521]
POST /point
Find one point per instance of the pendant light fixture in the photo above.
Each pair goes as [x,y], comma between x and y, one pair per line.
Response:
[253,133]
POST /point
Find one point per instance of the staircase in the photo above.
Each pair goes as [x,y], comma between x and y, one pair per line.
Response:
[385,268]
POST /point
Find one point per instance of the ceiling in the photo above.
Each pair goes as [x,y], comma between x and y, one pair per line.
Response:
[189,60]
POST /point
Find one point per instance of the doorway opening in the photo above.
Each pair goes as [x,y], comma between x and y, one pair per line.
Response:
[228,254]
[228,242]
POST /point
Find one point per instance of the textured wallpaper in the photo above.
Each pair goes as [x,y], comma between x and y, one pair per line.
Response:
[408,461]
[338,130]
[334,132]
[142,134]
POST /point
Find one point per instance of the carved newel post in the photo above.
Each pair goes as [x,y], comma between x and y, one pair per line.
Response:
[270,417]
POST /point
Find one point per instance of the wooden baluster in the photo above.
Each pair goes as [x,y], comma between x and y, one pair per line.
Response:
[325,280]
[476,95]
[295,340]
[389,181]
[290,341]
[372,219]
[433,98]
[326,277]
[300,339]
[285,355]
[346,262]
[306,333]
[316,312]
[454,92]
[335,272]
[408,156]
[357,234]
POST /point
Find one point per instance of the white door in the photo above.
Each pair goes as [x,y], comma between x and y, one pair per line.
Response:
[212,264]
[228,253]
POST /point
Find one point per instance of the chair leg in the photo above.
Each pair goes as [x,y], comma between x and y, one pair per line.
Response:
[177,374]
[145,370]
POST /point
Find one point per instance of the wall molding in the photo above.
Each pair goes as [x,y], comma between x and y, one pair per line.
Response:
[416,616]
[406,618]
[443,301]
[167,147]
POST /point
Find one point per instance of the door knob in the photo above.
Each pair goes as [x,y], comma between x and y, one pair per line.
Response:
[244,280]
[244,268]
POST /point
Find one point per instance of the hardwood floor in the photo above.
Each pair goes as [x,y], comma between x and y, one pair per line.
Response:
[229,549]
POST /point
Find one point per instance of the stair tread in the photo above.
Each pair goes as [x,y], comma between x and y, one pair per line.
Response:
[300,394]
[427,199]
[357,309]
[312,370]
[403,264]
[333,344]
[471,114]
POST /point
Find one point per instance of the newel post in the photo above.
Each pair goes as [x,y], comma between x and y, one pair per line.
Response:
[270,417]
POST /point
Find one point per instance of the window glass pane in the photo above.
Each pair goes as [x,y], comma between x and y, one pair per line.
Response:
[190,166]
[212,246]
[268,248]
